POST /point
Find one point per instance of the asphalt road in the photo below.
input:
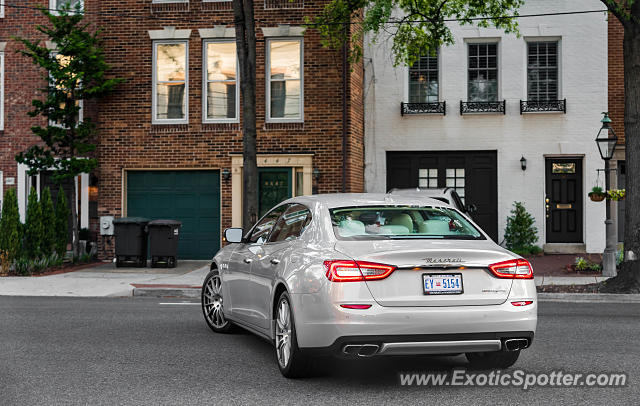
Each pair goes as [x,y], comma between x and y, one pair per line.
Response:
[139,351]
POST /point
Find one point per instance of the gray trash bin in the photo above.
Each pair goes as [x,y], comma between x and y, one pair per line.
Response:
[163,242]
[131,241]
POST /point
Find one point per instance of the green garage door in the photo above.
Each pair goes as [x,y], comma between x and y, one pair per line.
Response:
[192,197]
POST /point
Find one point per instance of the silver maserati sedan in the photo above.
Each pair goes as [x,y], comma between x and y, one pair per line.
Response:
[363,275]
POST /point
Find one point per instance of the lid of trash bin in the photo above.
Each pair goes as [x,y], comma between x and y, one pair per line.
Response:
[131,220]
[165,223]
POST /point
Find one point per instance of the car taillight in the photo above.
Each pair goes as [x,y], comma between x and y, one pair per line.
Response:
[512,269]
[522,303]
[354,271]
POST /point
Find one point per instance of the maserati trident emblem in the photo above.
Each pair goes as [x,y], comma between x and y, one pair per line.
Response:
[430,260]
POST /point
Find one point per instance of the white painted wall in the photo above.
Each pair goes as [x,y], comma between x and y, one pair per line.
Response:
[583,82]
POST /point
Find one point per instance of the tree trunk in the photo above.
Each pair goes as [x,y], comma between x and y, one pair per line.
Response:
[246,44]
[628,279]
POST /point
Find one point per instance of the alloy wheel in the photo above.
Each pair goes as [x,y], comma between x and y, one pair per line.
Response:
[213,303]
[283,333]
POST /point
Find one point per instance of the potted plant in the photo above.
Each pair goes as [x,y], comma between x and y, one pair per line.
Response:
[616,194]
[597,194]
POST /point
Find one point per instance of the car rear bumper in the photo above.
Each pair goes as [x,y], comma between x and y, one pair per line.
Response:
[322,325]
[370,345]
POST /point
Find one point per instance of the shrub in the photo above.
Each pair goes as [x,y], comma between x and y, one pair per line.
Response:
[48,223]
[10,226]
[33,227]
[62,223]
[520,233]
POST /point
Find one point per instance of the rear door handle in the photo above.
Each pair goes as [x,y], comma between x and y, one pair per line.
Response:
[248,260]
[275,261]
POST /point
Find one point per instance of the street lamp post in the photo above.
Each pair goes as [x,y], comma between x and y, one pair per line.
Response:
[606,141]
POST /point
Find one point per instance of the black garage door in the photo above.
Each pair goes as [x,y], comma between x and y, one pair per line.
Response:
[473,174]
[192,197]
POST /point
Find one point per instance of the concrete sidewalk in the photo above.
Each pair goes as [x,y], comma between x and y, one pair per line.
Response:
[107,280]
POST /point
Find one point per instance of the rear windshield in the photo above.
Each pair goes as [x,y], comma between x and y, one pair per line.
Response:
[395,222]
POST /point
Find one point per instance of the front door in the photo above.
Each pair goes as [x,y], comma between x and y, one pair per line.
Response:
[274,186]
[563,202]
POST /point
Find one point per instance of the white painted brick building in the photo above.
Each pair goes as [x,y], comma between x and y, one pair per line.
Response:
[481,153]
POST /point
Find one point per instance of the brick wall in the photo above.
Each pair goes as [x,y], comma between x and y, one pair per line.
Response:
[128,139]
[616,75]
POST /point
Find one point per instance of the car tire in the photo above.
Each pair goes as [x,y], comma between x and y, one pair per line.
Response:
[212,303]
[493,359]
[291,361]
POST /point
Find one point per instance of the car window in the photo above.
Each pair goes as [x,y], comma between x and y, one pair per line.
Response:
[291,224]
[393,222]
[262,229]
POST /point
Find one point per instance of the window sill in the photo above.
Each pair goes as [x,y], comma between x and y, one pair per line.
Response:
[215,5]
[169,128]
[220,127]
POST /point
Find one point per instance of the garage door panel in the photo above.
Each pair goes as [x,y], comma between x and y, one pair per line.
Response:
[192,197]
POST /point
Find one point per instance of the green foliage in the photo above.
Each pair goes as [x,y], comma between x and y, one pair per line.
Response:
[597,190]
[34,230]
[61,223]
[418,27]
[83,258]
[520,233]
[583,264]
[28,266]
[10,226]
[48,223]
[530,250]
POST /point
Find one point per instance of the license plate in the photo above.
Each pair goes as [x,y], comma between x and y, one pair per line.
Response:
[442,284]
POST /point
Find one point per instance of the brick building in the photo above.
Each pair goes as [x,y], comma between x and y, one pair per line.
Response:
[170,142]
[170,136]
[19,84]
[615,61]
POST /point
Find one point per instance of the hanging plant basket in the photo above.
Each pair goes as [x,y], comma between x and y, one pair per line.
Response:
[597,197]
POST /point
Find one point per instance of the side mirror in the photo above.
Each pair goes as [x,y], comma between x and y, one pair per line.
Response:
[233,235]
[472,208]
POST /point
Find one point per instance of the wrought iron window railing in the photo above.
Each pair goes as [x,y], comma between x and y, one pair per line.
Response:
[536,106]
[483,107]
[423,108]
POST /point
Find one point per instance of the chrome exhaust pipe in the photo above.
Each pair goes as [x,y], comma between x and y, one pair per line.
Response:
[361,350]
[368,350]
[516,344]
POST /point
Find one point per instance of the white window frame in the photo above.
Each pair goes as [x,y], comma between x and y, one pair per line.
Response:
[1,8]
[407,80]
[53,7]
[205,82]
[268,42]
[154,95]
[80,104]
[484,40]
[529,39]
[1,90]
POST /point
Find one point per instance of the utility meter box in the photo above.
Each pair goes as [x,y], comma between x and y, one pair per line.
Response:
[106,225]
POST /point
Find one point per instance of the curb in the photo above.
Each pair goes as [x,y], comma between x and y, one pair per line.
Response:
[177,292]
[589,297]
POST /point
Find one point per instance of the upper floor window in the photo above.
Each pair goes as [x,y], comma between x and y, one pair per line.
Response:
[220,88]
[60,4]
[483,72]
[542,71]
[170,78]
[63,61]
[285,83]
[423,80]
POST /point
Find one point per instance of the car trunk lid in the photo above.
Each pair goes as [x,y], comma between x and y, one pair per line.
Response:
[416,258]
